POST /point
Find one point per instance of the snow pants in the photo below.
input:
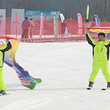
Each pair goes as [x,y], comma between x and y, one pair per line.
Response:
[2,84]
[95,68]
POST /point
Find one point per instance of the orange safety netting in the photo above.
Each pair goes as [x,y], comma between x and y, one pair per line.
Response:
[13,26]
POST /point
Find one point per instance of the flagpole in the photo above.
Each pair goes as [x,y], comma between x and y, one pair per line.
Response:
[16,24]
[105,8]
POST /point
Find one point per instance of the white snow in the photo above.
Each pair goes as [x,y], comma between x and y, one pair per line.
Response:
[65,69]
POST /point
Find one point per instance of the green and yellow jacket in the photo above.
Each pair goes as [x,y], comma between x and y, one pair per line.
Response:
[3,49]
[100,48]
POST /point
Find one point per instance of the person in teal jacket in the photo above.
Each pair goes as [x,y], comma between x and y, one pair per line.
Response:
[3,49]
[100,57]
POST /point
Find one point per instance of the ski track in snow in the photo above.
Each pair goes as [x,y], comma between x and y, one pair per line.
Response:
[65,69]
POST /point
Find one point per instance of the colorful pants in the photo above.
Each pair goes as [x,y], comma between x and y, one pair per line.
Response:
[2,84]
[95,68]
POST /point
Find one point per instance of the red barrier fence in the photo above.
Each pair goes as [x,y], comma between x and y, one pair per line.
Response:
[13,27]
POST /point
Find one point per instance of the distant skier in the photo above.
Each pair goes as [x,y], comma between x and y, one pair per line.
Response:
[25,28]
[100,57]
[63,27]
[31,27]
[3,49]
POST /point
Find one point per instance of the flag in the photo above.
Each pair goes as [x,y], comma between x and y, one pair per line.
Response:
[55,25]
[87,15]
[97,21]
[62,17]
[41,25]
[23,75]
[79,17]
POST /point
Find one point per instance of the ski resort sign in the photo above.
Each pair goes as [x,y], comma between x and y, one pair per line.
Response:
[34,14]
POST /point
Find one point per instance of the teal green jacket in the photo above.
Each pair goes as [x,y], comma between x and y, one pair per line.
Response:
[100,48]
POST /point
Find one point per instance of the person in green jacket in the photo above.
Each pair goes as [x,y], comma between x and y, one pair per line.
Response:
[100,57]
[3,49]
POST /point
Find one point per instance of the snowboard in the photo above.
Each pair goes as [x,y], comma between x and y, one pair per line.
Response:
[25,78]
[29,81]
[98,29]
[38,80]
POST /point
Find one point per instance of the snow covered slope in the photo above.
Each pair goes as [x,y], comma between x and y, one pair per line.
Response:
[65,69]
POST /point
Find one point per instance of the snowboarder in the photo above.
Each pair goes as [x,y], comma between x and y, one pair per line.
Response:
[3,49]
[100,57]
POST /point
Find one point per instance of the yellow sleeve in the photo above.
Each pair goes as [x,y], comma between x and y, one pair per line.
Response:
[2,46]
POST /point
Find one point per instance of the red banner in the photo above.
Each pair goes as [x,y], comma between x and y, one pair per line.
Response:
[79,17]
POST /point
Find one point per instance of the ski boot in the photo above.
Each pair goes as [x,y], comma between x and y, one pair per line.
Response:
[108,85]
[90,85]
[2,92]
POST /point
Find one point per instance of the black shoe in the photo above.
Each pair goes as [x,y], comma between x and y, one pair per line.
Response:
[90,84]
[2,92]
[108,84]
